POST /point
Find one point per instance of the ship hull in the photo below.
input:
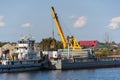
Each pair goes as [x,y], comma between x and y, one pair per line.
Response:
[19,68]
[65,65]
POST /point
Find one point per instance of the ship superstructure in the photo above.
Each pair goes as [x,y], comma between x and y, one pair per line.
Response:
[25,49]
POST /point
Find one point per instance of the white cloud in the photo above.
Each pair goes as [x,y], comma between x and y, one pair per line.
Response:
[114,23]
[2,24]
[80,22]
[1,21]
[26,25]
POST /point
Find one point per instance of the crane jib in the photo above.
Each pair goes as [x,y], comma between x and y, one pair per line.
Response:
[69,42]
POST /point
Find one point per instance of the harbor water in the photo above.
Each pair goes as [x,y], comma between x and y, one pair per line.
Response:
[85,74]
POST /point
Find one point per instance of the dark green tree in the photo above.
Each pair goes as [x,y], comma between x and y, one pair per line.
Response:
[3,43]
[50,44]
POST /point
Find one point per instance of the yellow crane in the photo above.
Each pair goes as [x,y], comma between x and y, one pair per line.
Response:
[70,42]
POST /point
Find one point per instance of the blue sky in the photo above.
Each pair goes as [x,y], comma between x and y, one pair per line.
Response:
[85,19]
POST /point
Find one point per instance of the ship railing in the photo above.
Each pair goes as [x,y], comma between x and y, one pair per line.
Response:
[18,62]
[108,59]
[76,50]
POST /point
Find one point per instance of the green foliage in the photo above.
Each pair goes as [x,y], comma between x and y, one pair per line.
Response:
[50,44]
[118,51]
[3,43]
[103,53]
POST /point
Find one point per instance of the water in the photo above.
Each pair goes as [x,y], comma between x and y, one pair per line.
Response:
[86,74]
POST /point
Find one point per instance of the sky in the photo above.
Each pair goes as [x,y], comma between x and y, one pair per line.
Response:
[84,19]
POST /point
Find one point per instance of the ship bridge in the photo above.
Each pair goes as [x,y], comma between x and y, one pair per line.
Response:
[25,48]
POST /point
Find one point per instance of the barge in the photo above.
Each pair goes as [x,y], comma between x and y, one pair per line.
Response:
[62,60]
[72,56]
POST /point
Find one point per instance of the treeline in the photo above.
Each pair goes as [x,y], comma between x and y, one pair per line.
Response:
[50,44]
[44,44]
[3,43]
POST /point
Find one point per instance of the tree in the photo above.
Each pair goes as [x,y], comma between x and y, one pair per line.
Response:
[107,40]
[3,43]
[105,52]
[50,44]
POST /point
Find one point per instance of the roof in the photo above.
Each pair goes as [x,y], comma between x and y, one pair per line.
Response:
[8,46]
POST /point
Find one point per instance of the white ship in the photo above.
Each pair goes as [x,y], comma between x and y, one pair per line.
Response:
[24,59]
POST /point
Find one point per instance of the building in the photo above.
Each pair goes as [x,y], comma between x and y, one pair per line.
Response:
[88,43]
[7,50]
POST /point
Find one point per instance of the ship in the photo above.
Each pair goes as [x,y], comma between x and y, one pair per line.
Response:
[67,60]
[24,58]
[72,56]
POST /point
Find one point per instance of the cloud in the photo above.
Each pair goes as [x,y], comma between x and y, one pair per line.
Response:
[1,21]
[114,23]
[25,25]
[2,24]
[80,22]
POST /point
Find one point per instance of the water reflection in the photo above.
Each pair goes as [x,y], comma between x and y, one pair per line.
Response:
[92,74]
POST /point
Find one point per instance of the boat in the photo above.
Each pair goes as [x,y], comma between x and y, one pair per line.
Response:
[24,59]
[67,60]
[72,56]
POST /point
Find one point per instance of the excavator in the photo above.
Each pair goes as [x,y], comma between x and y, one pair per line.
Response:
[68,42]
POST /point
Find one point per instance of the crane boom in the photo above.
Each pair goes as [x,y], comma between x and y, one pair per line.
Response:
[62,36]
[71,41]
